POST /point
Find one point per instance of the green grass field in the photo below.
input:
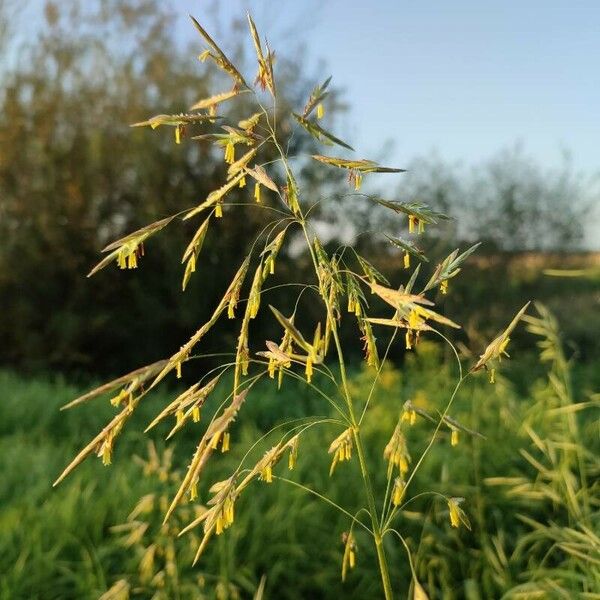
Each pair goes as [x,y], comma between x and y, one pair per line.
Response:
[531,489]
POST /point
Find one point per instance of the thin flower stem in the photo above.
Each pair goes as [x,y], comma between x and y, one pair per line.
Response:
[437,494]
[324,395]
[376,378]
[381,558]
[387,497]
[376,530]
[315,388]
[410,562]
[461,379]
[306,423]
[284,285]
[325,499]
[429,445]
[263,207]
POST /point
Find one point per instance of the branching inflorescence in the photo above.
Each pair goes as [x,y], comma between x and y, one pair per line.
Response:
[341,280]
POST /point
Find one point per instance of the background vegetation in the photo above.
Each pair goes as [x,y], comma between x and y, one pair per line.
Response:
[528,535]
[73,175]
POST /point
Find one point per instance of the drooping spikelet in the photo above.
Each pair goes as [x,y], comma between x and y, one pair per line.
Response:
[457,514]
[398,491]
[396,452]
[497,348]
[349,558]
[341,448]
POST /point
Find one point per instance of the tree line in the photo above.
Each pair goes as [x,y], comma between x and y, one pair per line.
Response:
[74,176]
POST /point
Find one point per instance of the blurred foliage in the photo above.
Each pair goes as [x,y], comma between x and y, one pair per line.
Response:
[532,485]
[510,202]
[74,176]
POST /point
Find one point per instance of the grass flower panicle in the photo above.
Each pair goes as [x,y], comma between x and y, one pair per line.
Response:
[338,275]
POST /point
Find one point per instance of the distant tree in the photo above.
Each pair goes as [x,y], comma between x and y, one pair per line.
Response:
[511,202]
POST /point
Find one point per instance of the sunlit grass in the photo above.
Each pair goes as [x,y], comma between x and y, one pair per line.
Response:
[525,536]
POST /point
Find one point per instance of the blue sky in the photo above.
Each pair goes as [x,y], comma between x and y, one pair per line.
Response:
[464,78]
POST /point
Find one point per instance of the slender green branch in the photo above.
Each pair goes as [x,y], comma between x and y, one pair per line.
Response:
[377,375]
[408,553]
[307,422]
[429,445]
[325,499]
[346,392]
[319,391]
